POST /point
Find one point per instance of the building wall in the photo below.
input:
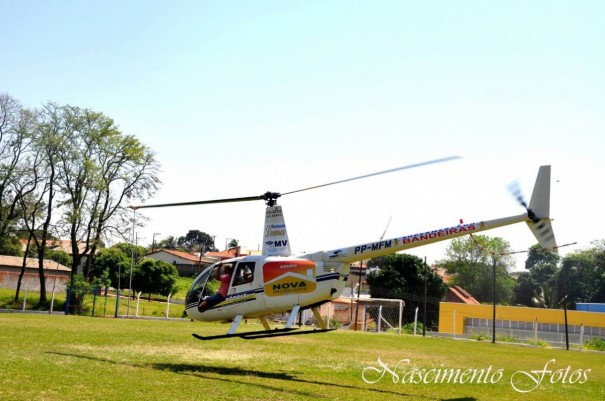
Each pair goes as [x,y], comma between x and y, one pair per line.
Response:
[591,307]
[451,314]
[31,280]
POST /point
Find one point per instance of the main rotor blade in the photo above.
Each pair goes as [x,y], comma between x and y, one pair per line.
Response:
[271,196]
[445,159]
[206,202]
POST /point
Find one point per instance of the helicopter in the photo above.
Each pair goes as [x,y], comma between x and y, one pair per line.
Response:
[278,282]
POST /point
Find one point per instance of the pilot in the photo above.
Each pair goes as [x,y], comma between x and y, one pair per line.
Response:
[225,279]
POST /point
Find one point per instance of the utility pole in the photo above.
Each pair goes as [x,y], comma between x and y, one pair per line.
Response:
[426,273]
[494,308]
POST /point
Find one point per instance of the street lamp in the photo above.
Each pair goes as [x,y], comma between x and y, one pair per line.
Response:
[564,301]
[153,241]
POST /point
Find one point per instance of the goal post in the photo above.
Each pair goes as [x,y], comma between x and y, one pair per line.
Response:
[367,314]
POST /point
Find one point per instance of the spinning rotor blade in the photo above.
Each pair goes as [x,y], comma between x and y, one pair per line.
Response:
[515,190]
[270,197]
[378,173]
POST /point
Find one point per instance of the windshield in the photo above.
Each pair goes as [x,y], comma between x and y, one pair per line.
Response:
[199,288]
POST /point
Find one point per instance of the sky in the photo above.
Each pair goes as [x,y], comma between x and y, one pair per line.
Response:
[237,98]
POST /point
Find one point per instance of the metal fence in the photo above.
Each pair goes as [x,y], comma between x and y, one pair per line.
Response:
[531,332]
[101,303]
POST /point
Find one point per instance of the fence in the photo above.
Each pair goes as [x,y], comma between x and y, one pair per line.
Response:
[532,332]
[105,304]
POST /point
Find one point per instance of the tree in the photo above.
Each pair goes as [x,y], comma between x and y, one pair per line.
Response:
[78,288]
[59,256]
[196,240]
[113,264]
[48,141]
[402,276]
[14,141]
[10,245]
[582,276]
[167,243]
[132,251]
[101,168]
[471,261]
[538,287]
[598,254]
[155,277]
[537,257]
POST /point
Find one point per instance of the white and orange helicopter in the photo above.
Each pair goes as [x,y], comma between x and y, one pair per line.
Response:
[279,282]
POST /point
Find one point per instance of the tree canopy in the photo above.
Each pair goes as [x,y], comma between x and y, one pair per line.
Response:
[66,171]
[471,261]
[155,277]
[196,240]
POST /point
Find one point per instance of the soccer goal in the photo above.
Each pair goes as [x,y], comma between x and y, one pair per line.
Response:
[368,314]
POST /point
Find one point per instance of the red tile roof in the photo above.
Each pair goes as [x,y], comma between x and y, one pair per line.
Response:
[460,295]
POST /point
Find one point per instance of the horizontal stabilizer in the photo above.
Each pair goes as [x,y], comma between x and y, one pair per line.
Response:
[544,234]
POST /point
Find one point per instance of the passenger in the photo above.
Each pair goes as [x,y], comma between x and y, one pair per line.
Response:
[225,279]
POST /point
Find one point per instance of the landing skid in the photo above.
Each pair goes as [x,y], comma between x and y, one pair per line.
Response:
[268,332]
[252,335]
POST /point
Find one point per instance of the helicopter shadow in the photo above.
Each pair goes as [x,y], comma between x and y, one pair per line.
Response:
[232,375]
[197,370]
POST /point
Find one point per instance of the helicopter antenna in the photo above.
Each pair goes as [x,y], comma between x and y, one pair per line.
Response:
[386,228]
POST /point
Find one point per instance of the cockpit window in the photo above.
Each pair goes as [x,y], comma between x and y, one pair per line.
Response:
[244,273]
[200,287]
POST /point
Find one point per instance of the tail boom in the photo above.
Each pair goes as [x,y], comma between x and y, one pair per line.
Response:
[388,246]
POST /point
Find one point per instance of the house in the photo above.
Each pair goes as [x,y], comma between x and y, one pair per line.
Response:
[62,245]
[57,245]
[187,265]
[234,252]
[57,275]
[458,294]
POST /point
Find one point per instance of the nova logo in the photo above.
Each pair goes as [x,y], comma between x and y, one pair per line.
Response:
[290,286]
[289,278]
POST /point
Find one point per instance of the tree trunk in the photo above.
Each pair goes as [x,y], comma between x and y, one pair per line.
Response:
[22,273]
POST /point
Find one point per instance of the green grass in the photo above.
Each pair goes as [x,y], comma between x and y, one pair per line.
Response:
[44,357]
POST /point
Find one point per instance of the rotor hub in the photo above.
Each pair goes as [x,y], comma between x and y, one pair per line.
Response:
[270,198]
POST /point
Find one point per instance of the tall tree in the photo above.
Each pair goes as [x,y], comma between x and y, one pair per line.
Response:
[471,261]
[49,140]
[101,169]
[582,276]
[538,286]
[168,243]
[14,141]
[196,240]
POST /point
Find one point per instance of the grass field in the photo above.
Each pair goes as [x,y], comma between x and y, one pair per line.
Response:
[44,357]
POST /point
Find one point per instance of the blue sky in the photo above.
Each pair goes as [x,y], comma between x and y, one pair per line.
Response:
[237,98]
